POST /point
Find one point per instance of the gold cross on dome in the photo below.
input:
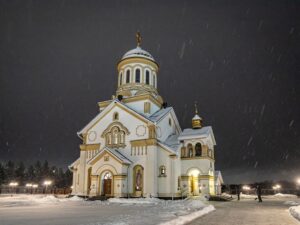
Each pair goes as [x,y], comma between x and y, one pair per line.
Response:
[138,38]
[196,108]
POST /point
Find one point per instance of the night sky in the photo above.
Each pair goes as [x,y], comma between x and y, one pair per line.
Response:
[238,59]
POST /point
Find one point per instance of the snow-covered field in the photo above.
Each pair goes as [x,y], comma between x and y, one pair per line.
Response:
[295,211]
[41,210]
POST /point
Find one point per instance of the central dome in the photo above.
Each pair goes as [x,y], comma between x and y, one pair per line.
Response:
[138,52]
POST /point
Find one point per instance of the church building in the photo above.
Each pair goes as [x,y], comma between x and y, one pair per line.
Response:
[135,146]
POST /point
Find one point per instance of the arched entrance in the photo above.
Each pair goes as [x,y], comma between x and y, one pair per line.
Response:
[138,180]
[107,183]
[193,174]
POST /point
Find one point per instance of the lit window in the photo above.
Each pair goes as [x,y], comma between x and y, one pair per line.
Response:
[137,75]
[162,171]
[147,77]
[127,76]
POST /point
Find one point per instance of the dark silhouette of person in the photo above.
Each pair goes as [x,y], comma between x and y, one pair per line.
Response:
[238,192]
[258,191]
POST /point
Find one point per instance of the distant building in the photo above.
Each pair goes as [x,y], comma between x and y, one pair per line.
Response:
[135,146]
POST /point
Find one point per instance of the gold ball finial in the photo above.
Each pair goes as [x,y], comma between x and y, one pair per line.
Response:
[138,38]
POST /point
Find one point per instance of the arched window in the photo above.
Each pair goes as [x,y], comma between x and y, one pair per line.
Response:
[198,149]
[162,171]
[127,76]
[107,176]
[170,122]
[121,77]
[190,150]
[116,116]
[147,77]
[137,75]
[115,133]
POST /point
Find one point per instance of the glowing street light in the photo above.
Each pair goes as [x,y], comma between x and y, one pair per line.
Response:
[246,188]
[47,183]
[35,185]
[298,181]
[28,185]
[13,184]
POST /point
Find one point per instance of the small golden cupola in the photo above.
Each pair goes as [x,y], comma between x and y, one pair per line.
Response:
[197,120]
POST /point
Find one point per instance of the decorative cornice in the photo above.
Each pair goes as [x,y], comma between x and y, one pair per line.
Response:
[137,60]
[113,124]
[143,142]
[86,147]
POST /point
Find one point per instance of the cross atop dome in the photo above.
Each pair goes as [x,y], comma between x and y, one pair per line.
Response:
[138,37]
[197,120]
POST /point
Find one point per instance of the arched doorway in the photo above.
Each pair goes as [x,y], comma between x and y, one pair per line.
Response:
[138,180]
[107,183]
[193,174]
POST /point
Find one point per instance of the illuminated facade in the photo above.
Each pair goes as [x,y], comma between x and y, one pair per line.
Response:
[135,146]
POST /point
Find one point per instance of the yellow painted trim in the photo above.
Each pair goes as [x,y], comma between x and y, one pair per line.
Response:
[149,97]
[137,60]
[89,147]
[95,160]
[206,177]
[120,176]
[104,103]
[195,158]
[143,142]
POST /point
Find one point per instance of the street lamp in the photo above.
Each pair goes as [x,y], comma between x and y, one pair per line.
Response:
[246,188]
[47,183]
[29,186]
[276,187]
[298,181]
[14,185]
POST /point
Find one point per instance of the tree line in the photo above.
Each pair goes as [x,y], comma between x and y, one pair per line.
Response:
[36,173]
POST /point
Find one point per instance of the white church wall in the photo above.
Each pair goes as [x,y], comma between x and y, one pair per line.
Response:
[164,181]
[164,129]
[202,164]
[137,128]
[139,107]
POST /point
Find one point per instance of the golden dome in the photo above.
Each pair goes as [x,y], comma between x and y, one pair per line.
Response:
[197,120]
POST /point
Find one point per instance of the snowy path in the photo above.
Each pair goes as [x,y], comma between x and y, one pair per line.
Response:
[41,210]
[248,212]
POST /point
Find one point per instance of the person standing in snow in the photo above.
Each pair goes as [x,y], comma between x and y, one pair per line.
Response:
[258,191]
[238,192]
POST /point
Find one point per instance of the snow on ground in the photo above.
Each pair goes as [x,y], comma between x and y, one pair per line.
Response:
[31,208]
[295,211]
[280,195]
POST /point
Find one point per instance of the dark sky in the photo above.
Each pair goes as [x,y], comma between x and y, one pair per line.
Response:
[238,59]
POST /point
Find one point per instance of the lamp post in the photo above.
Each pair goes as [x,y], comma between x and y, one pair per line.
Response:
[46,184]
